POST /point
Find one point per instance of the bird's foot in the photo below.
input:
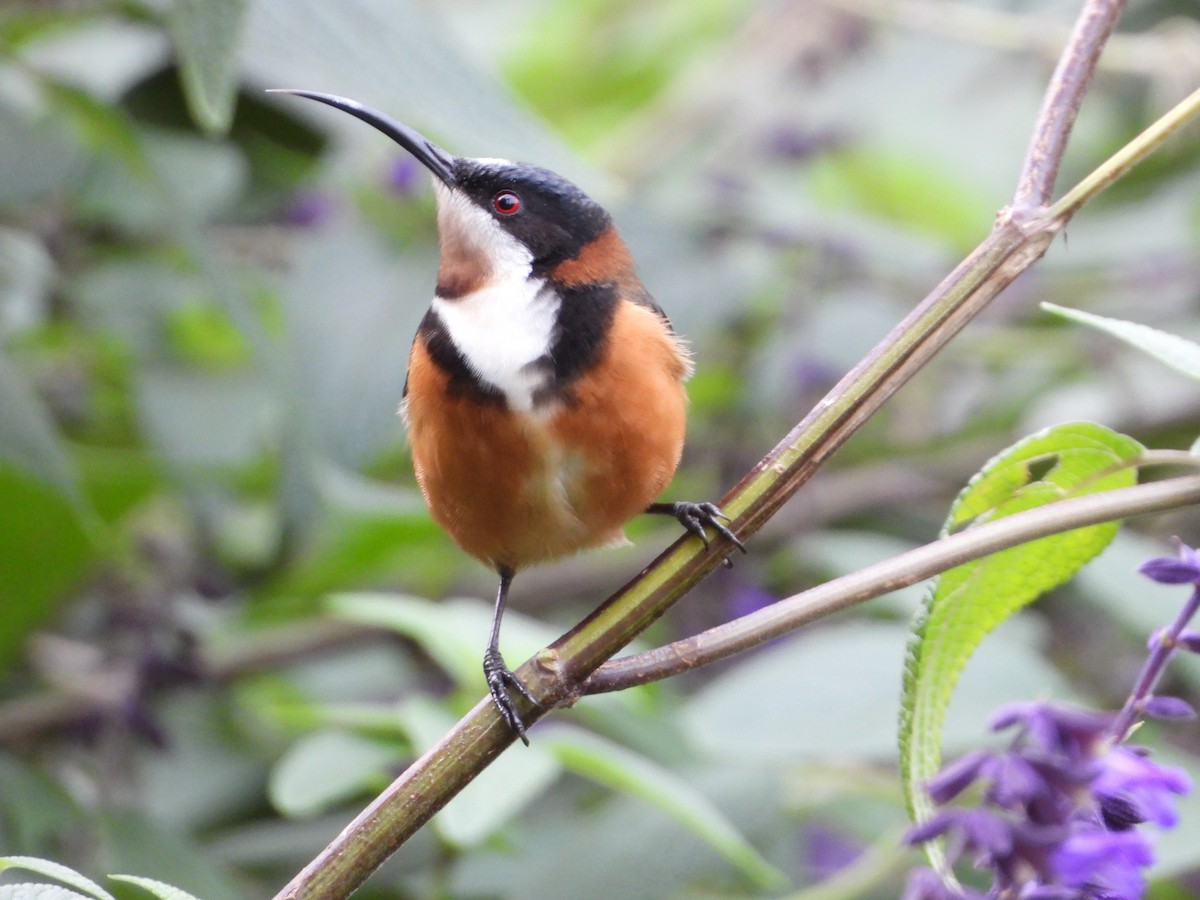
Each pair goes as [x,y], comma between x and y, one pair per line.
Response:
[499,679]
[694,516]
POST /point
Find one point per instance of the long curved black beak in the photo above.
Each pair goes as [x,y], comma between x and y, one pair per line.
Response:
[433,157]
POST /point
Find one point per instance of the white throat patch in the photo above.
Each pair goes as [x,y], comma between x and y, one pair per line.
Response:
[507,323]
[500,330]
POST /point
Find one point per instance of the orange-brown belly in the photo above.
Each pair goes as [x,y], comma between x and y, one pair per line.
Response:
[519,488]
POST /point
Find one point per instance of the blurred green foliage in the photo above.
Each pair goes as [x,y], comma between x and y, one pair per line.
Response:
[206,300]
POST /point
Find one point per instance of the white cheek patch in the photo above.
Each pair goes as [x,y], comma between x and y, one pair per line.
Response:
[470,237]
[500,330]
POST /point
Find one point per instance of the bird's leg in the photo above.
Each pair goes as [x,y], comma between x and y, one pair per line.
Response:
[694,516]
[499,676]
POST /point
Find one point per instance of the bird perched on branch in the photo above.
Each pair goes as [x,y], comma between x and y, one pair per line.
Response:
[545,402]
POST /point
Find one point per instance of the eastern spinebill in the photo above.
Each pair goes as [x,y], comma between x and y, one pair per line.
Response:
[545,398]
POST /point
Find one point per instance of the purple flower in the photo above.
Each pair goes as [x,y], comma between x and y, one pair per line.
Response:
[984,833]
[925,884]
[1060,809]
[1049,892]
[747,598]
[827,852]
[308,209]
[957,777]
[1015,780]
[1104,864]
[1129,773]
[1189,640]
[800,144]
[811,374]
[1184,569]
[1168,708]
[404,176]
[1063,806]
[1067,730]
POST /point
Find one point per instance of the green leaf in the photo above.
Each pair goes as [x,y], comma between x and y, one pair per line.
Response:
[1177,352]
[28,439]
[56,871]
[207,34]
[34,807]
[37,892]
[45,548]
[204,334]
[103,128]
[356,543]
[326,768]
[157,888]
[453,632]
[623,770]
[967,602]
[916,193]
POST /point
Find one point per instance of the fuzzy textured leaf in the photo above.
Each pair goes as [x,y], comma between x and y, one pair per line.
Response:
[964,604]
[1170,349]
[56,871]
[31,891]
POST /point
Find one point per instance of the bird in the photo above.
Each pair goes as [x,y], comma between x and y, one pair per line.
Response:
[544,400]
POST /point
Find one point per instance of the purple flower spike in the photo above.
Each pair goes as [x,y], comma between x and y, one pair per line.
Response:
[1064,807]
[1061,809]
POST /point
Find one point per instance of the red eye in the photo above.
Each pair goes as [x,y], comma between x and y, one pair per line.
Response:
[506,203]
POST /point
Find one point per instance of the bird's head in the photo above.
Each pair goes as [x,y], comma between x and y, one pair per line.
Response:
[496,218]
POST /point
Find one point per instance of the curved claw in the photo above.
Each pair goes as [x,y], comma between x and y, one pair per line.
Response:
[499,679]
[694,516]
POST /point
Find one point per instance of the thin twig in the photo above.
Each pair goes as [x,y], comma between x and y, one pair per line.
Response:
[1064,95]
[1128,156]
[901,571]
